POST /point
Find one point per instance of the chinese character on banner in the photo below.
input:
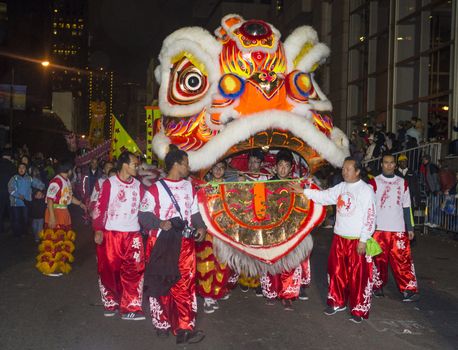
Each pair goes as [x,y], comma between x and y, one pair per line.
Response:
[96,134]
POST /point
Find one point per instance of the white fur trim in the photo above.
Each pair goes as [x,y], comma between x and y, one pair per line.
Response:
[231,15]
[324,104]
[241,129]
[242,263]
[296,40]
[206,49]
[160,145]
[339,138]
[320,105]
[157,74]
[316,54]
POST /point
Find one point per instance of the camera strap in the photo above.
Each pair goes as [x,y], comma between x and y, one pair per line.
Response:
[172,197]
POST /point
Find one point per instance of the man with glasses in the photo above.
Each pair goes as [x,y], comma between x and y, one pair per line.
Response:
[120,255]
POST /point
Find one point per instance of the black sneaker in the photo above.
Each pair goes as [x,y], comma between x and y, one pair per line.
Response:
[133,316]
[303,294]
[409,296]
[355,319]
[244,289]
[189,337]
[259,291]
[162,333]
[378,293]
[330,310]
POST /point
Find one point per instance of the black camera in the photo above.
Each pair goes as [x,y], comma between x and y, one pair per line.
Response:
[188,231]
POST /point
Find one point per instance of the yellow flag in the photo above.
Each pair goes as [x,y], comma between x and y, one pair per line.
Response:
[121,141]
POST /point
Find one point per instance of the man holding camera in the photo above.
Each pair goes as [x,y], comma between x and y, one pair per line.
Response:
[170,251]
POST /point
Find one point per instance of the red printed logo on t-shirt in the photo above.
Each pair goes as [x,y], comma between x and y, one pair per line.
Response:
[346,204]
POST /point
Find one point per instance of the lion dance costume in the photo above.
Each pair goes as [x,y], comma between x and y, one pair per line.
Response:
[244,90]
[56,247]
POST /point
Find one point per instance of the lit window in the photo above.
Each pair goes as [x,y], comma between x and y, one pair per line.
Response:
[67,25]
[54,32]
[74,25]
[54,24]
[73,32]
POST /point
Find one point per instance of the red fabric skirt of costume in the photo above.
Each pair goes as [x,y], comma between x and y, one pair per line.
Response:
[396,253]
[286,285]
[121,264]
[350,277]
[178,309]
[212,276]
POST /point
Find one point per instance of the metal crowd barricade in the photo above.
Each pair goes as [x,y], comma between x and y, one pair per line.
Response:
[413,156]
[438,217]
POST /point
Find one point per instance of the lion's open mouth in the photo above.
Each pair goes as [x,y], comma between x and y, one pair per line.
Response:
[262,219]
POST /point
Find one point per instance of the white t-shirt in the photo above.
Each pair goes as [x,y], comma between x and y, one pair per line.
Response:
[117,205]
[392,195]
[158,201]
[355,204]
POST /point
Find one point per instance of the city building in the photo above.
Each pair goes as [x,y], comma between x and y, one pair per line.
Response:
[392,60]
[68,54]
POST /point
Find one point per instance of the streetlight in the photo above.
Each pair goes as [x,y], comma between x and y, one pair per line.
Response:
[45,63]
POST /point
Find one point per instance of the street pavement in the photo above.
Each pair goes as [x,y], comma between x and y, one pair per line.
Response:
[39,312]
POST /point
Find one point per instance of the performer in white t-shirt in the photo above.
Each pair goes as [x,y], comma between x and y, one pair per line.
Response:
[394,230]
[349,268]
[120,255]
[174,305]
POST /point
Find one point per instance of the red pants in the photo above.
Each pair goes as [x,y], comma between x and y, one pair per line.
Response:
[120,262]
[396,252]
[178,309]
[350,277]
[286,285]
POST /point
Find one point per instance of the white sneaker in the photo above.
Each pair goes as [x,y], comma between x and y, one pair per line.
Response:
[227,296]
[210,305]
[54,274]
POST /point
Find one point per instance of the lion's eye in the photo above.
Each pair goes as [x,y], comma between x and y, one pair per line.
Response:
[187,83]
[193,81]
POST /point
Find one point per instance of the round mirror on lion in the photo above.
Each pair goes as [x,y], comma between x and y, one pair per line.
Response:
[239,91]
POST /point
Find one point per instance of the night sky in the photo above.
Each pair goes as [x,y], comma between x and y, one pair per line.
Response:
[127,34]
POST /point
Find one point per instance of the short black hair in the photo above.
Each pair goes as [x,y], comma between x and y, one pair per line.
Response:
[175,155]
[388,154]
[64,166]
[124,158]
[222,162]
[284,155]
[257,153]
[358,165]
